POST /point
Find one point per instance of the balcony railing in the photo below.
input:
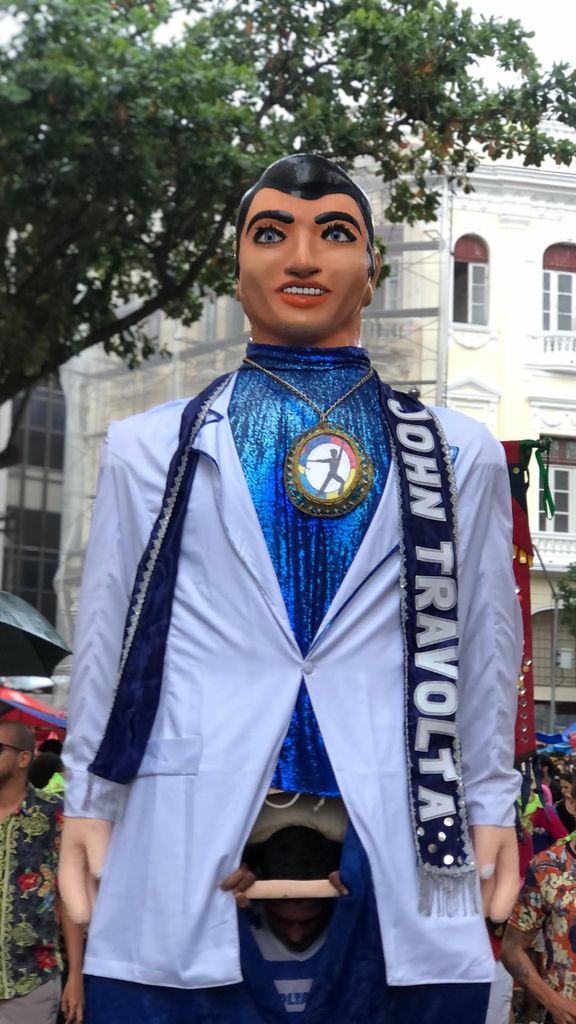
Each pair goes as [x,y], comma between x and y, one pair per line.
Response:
[557,550]
[556,351]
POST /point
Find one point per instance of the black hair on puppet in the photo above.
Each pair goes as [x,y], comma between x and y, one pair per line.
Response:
[307,176]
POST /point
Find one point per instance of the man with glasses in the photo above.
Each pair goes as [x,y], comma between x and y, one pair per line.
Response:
[30,962]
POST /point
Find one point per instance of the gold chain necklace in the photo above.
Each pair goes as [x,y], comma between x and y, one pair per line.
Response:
[327,472]
[322,414]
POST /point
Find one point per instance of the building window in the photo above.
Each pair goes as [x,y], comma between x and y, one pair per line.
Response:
[40,435]
[541,651]
[562,482]
[34,499]
[32,557]
[387,294]
[559,288]
[470,281]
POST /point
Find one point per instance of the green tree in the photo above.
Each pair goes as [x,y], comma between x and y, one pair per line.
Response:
[567,591]
[123,157]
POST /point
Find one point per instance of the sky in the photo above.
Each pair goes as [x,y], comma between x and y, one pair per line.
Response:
[553,21]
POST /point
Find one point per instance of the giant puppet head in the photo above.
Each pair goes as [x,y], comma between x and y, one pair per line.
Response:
[306,262]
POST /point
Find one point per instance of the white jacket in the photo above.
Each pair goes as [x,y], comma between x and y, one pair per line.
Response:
[231,677]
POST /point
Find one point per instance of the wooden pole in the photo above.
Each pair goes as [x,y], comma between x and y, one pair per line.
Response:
[291,889]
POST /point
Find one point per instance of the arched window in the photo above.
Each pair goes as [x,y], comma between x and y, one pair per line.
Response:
[559,288]
[470,281]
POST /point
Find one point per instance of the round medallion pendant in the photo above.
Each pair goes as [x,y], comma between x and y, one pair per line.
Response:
[327,472]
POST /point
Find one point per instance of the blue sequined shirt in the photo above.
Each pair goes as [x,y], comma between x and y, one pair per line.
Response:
[310,554]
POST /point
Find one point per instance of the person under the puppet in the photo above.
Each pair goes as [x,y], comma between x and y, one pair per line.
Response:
[301,595]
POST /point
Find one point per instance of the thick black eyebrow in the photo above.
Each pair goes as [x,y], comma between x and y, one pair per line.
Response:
[324,218]
[281,215]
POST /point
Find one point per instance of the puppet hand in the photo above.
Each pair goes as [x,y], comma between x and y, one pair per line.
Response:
[237,883]
[82,855]
[496,853]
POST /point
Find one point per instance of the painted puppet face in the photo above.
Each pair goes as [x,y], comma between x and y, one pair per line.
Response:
[304,269]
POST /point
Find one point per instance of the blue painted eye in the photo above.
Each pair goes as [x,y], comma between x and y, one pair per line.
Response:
[268,235]
[338,233]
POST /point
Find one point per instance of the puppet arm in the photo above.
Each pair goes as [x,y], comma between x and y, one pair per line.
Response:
[82,855]
[489,664]
[92,804]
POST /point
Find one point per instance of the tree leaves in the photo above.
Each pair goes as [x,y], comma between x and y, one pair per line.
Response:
[123,157]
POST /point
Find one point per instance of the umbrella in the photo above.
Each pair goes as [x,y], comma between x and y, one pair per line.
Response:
[29,644]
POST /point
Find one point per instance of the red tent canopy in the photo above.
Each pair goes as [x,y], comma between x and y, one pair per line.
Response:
[46,721]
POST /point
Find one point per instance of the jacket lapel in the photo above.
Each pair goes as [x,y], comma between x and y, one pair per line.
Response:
[239,517]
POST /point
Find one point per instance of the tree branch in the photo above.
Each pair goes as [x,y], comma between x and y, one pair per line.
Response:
[57,249]
[172,290]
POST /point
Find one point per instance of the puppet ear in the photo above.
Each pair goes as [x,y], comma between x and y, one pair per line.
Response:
[368,294]
[374,276]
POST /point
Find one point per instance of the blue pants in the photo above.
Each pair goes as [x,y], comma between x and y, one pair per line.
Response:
[124,1002]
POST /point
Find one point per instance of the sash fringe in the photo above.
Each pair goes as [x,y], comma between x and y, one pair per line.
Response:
[448,895]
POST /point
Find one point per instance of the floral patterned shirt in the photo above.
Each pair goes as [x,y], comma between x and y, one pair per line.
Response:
[548,900]
[29,844]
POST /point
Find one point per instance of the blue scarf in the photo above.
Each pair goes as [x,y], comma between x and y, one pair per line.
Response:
[429,606]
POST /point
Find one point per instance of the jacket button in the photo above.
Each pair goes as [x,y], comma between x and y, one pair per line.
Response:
[308,667]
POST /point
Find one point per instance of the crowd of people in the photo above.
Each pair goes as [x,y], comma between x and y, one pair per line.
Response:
[539,943]
[41,949]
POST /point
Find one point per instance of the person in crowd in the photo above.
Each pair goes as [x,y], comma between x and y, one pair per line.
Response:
[547,901]
[540,819]
[46,773]
[501,991]
[568,820]
[550,776]
[30,825]
[51,746]
[291,934]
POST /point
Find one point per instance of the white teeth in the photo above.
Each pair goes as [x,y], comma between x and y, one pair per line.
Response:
[293,290]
